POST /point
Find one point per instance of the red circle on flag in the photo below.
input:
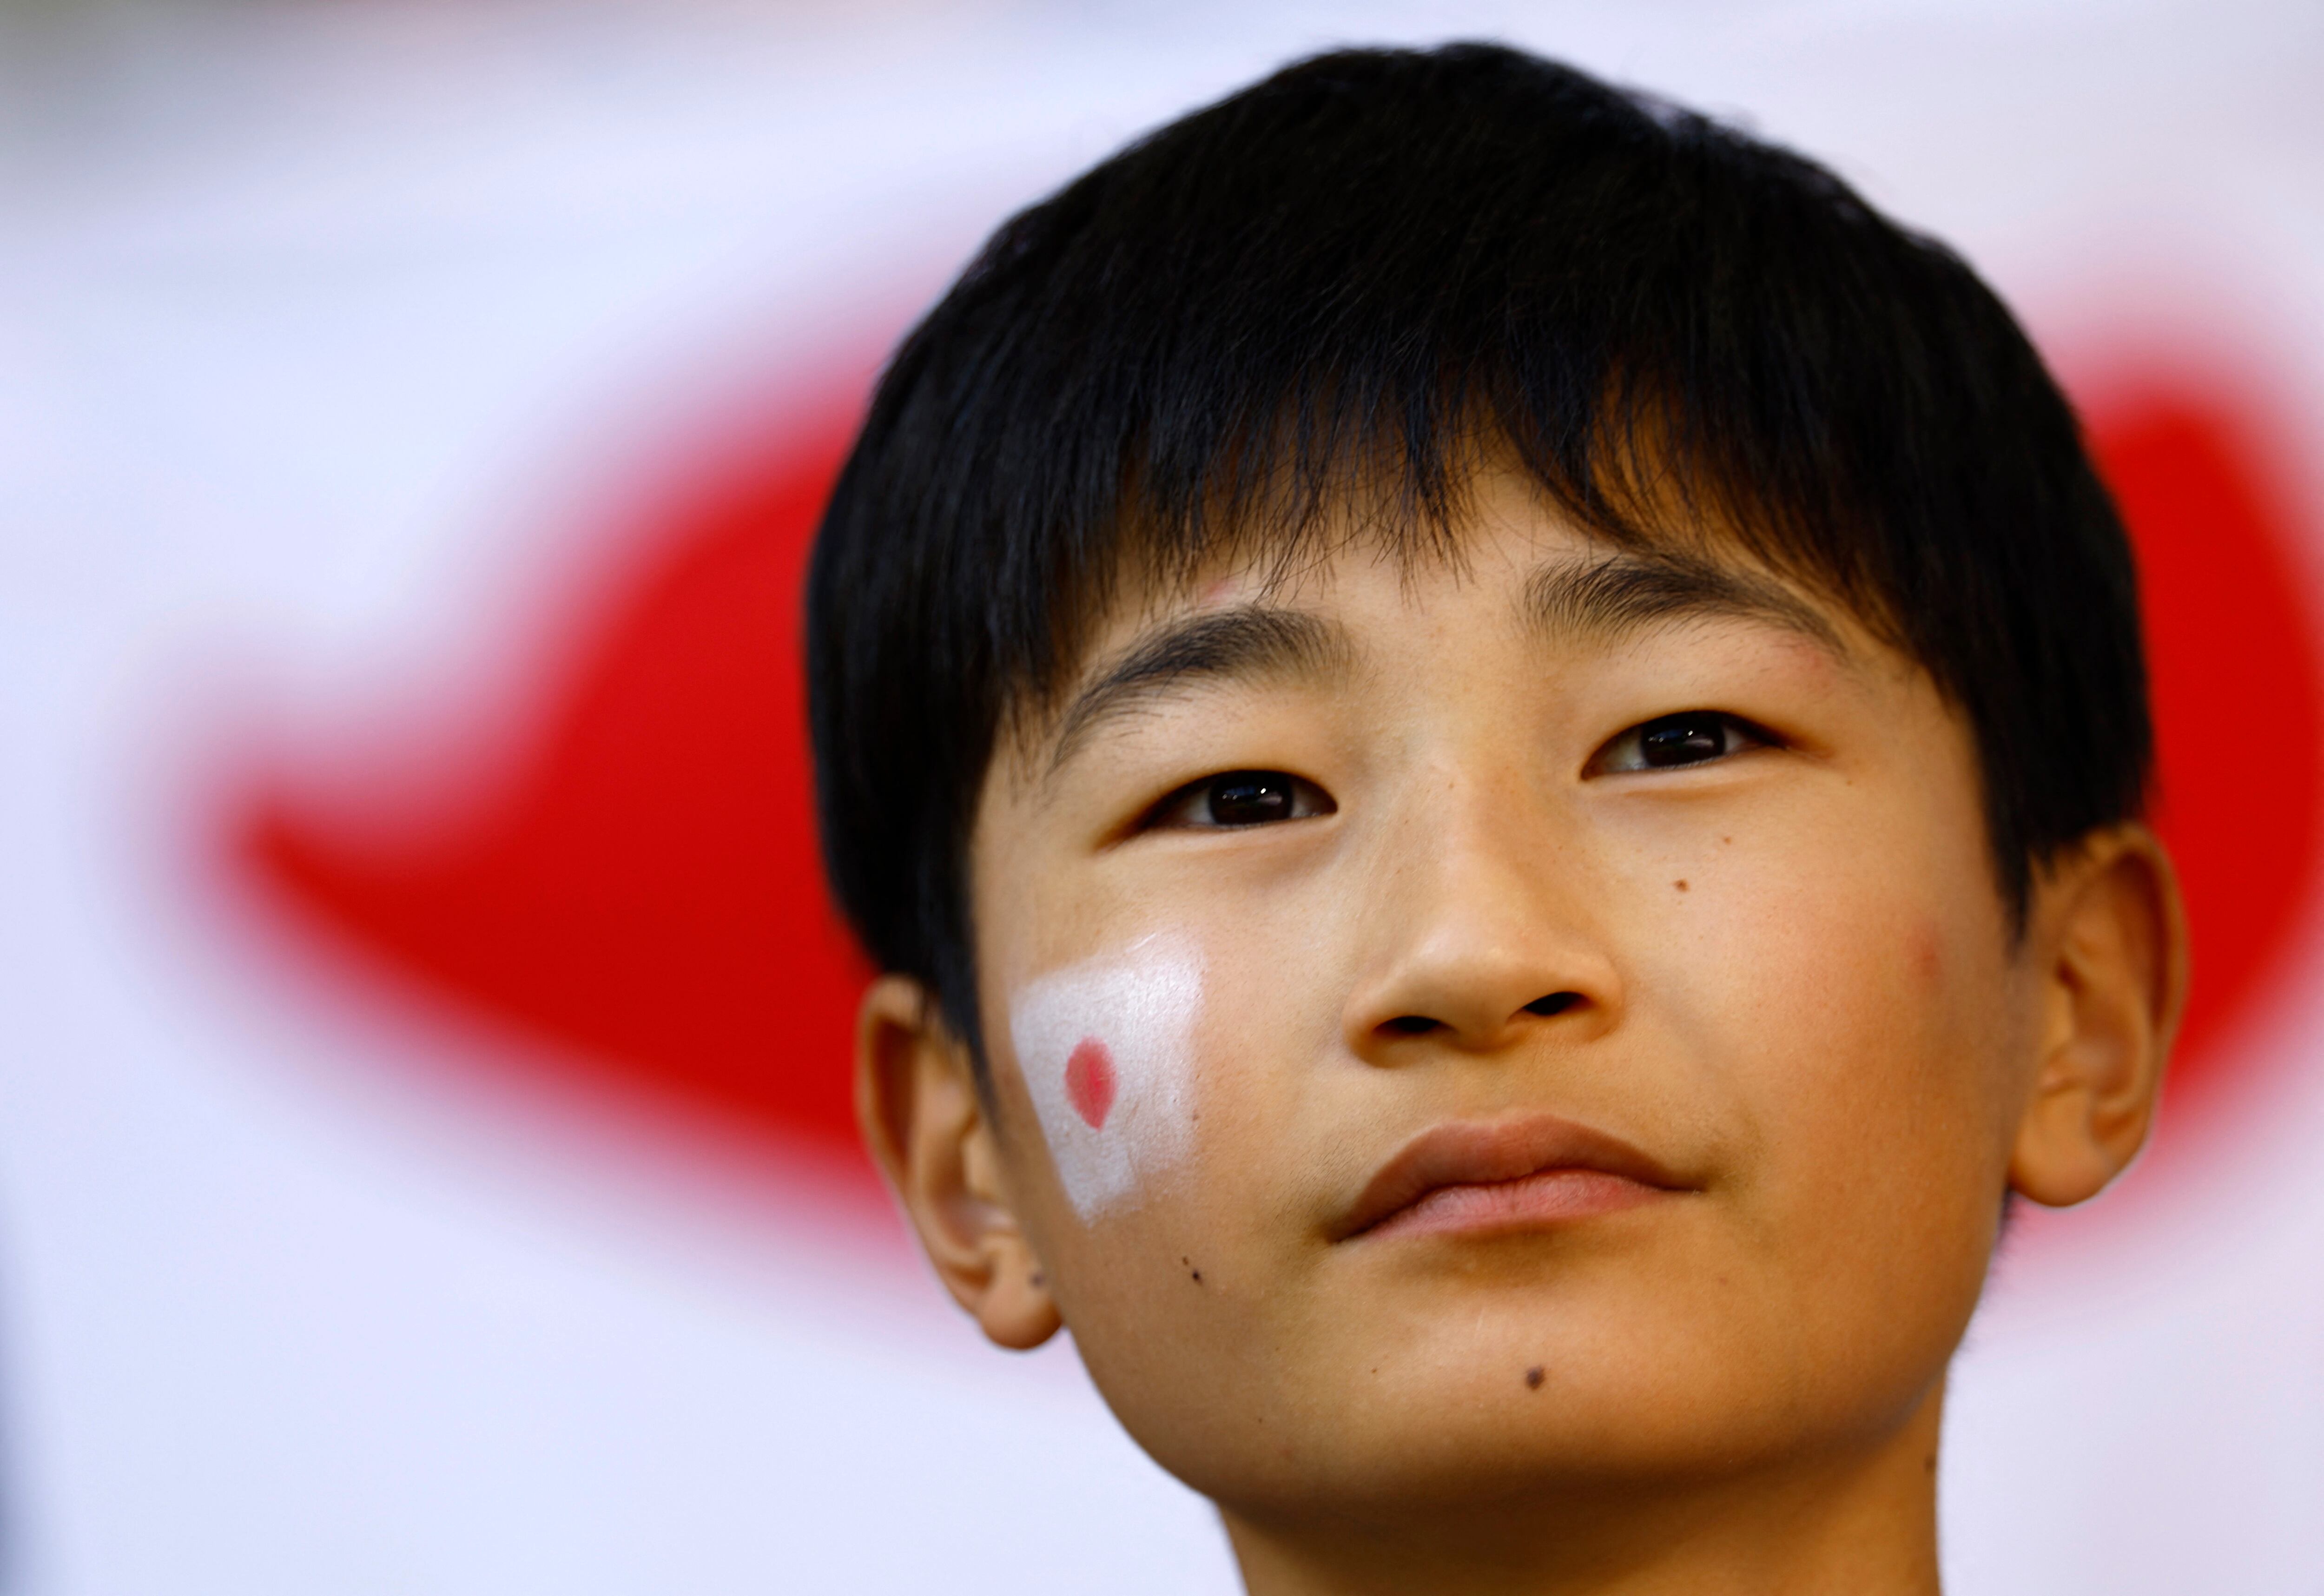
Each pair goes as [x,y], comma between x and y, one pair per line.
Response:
[647,891]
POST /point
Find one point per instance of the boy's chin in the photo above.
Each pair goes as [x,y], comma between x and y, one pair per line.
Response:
[1442,1454]
[1517,1406]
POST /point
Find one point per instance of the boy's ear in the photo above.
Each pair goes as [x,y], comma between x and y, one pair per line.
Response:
[2107,925]
[917,1100]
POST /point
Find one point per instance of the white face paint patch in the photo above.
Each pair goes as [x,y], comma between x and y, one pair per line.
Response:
[1107,1051]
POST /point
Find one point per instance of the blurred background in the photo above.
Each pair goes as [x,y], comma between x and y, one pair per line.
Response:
[423,1154]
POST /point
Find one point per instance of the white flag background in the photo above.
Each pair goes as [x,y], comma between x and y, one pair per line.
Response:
[421,1165]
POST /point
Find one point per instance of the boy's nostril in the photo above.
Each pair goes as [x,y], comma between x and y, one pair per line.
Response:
[1410,1025]
[1557,1002]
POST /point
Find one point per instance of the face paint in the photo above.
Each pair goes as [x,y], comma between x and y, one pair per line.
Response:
[1107,1051]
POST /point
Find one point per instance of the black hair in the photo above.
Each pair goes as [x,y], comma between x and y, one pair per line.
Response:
[1347,281]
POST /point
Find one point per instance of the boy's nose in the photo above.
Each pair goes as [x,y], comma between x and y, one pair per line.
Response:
[1483,936]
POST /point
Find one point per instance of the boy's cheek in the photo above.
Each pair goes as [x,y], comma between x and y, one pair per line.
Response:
[1123,1057]
[1107,1051]
[1848,1013]
[1167,1075]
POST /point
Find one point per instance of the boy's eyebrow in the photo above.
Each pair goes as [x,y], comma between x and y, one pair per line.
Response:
[1626,593]
[1617,593]
[1246,643]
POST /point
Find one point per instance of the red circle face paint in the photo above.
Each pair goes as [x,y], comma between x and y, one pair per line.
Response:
[1106,1050]
[1090,1081]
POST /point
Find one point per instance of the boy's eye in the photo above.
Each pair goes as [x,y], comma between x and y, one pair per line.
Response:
[1242,798]
[1692,737]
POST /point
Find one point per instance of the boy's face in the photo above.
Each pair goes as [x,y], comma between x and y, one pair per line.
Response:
[1545,1016]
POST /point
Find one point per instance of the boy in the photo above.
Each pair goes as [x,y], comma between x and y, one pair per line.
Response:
[1491,741]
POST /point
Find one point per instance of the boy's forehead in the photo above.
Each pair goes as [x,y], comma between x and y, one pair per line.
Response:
[1506,533]
[1562,581]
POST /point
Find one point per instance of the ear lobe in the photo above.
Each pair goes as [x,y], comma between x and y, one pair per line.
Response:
[916,1102]
[2109,926]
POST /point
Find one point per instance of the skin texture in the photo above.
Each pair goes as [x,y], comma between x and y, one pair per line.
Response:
[1785,975]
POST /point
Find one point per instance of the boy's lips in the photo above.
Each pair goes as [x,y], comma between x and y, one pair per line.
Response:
[1475,1174]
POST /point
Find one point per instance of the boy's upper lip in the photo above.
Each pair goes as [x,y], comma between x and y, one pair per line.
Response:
[1481,1152]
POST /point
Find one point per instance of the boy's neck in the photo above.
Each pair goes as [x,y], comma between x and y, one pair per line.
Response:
[1861,1523]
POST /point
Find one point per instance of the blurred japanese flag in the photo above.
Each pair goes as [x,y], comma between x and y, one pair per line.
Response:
[425,1163]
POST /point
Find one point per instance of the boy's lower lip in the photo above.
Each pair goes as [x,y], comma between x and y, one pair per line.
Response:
[1531,1202]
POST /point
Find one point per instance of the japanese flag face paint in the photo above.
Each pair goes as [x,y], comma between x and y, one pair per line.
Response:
[1107,1051]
